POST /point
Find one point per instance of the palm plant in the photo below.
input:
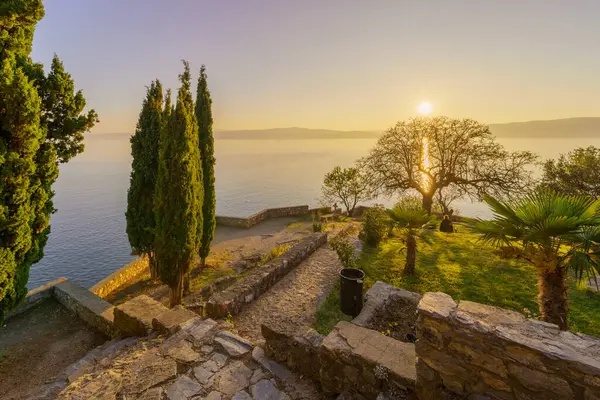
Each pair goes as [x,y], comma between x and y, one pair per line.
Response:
[554,232]
[410,216]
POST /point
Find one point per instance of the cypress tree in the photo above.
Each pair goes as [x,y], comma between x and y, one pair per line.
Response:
[207,154]
[41,124]
[144,168]
[178,193]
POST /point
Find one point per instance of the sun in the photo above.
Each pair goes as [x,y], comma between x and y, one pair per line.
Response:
[424,108]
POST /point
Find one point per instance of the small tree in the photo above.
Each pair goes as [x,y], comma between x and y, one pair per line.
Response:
[410,216]
[554,232]
[430,154]
[178,201]
[575,173]
[374,226]
[207,150]
[347,185]
[141,222]
[344,250]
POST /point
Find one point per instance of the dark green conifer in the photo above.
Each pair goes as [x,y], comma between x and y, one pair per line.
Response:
[41,124]
[207,154]
[178,193]
[144,169]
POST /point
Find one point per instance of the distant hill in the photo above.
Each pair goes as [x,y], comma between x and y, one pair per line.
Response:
[569,127]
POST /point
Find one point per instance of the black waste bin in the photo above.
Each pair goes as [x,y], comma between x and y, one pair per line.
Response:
[351,291]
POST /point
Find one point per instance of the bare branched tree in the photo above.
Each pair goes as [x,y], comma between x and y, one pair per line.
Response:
[430,154]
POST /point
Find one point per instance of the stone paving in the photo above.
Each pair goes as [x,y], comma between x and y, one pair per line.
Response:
[196,363]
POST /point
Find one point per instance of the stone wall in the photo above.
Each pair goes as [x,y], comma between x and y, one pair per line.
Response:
[35,296]
[389,309]
[469,350]
[259,280]
[248,222]
[118,278]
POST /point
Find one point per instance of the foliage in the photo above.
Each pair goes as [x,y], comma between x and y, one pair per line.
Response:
[374,226]
[575,173]
[41,124]
[554,232]
[178,200]
[428,154]
[274,253]
[347,185]
[207,150]
[141,222]
[467,269]
[344,250]
[317,226]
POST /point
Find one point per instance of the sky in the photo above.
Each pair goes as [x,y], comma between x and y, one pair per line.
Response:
[335,64]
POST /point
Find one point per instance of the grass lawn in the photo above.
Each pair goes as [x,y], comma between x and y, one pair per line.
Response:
[466,269]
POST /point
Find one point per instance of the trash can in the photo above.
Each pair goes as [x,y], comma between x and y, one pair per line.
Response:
[351,291]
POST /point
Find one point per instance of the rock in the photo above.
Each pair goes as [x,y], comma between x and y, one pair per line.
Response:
[219,359]
[276,369]
[351,395]
[243,395]
[266,390]
[214,395]
[206,349]
[183,388]
[103,387]
[257,376]
[234,345]
[170,321]
[182,352]
[203,375]
[232,378]
[150,370]
[201,331]
[134,317]
[78,369]
[151,394]
[437,305]
[211,366]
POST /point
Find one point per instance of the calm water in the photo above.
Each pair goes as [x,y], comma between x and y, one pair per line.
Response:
[88,239]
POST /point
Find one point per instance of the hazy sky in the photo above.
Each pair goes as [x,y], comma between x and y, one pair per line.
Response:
[334,64]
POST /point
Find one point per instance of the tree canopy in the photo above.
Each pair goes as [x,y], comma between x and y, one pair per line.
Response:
[429,154]
[141,221]
[207,154]
[347,185]
[41,124]
[574,173]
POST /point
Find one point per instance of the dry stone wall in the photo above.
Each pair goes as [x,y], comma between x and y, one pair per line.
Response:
[248,222]
[468,350]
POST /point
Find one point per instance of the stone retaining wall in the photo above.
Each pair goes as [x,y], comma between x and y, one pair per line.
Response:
[469,350]
[35,296]
[90,308]
[248,222]
[118,278]
[259,280]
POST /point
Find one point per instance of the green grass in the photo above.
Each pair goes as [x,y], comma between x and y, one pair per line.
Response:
[466,269]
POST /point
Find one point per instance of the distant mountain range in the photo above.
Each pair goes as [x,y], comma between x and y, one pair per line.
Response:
[569,127]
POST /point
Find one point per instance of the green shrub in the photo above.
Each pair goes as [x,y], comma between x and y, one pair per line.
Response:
[316,224]
[274,253]
[345,250]
[375,226]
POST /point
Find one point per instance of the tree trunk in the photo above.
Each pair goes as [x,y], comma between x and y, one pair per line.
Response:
[427,203]
[186,284]
[411,255]
[202,262]
[553,301]
[153,266]
[176,293]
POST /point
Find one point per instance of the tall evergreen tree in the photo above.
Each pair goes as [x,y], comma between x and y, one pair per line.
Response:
[178,193]
[41,124]
[207,153]
[144,169]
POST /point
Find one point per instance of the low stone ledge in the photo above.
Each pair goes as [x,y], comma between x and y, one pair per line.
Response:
[258,281]
[298,350]
[118,278]
[134,317]
[248,222]
[35,296]
[91,309]
[389,308]
[470,349]
[171,320]
[364,360]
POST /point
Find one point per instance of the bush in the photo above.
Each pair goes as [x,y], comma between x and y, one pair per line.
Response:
[316,223]
[345,250]
[375,226]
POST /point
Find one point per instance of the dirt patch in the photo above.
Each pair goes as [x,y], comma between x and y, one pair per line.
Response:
[36,346]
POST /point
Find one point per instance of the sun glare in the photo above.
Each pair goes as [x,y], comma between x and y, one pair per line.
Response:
[424,108]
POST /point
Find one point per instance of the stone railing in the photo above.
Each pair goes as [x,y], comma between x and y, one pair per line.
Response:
[259,280]
[248,222]
[118,278]
[35,296]
[469,350]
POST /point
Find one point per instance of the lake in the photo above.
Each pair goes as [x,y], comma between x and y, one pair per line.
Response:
[88,239]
